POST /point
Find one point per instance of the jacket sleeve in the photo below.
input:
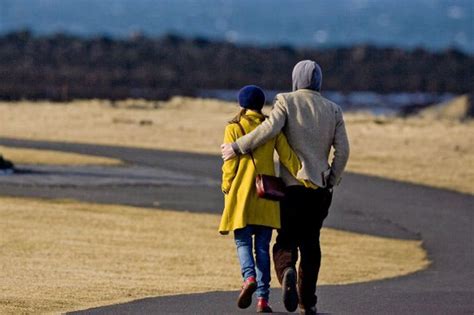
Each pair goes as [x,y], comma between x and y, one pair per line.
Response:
[287,156]
[229,168]
[289,159]
[267,130]
[341,150]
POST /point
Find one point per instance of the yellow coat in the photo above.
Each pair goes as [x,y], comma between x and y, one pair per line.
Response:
[242,205]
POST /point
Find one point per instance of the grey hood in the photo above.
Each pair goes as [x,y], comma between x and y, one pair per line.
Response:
[307,75]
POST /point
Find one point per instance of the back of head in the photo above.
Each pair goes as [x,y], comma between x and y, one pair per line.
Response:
[307,74]
[251,97]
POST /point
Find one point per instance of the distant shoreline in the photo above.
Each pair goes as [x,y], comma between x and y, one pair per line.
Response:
[63,67]
[400,103]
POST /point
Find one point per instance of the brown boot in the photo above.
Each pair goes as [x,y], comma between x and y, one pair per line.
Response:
[288,286]
[245,296]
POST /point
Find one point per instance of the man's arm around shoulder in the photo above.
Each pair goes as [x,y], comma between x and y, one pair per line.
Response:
[264,132]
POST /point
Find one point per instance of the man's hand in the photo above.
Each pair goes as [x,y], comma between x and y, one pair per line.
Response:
[227,151]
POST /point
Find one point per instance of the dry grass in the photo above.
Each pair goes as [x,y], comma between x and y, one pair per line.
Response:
[181,124]
[63,255]
[455,109]
[33,156]
[420,150]
[438,153]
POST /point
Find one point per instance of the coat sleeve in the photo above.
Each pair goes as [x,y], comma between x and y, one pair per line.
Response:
[267,130]
[287,156]
[341,150]
[229,168]
[289,159]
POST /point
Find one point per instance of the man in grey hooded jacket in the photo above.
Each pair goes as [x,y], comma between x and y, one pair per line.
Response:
[313,125]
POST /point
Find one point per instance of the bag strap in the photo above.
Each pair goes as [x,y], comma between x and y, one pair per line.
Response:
[250,152]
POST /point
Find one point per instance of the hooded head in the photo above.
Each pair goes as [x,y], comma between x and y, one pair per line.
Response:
[307,75]
[251,97]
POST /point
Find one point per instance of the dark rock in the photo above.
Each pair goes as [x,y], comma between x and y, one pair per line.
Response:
[470,108]
[6,166]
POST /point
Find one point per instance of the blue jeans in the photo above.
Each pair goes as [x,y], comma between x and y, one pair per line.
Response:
[243,240]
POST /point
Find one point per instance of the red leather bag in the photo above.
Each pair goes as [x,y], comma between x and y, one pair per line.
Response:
[268,186]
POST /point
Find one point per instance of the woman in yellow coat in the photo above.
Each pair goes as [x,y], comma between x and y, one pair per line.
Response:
[245,213]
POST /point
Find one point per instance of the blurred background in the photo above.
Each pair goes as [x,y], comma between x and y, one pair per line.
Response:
[112,114]
[385,56]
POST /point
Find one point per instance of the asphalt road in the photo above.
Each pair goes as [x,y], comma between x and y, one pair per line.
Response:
[442,219]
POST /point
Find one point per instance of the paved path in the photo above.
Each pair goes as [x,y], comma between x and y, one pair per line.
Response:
[442,219]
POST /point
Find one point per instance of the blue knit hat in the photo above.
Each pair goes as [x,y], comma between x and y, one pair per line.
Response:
[251,97]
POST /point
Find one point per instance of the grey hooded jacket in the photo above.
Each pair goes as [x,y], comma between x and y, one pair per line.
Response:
[312,125]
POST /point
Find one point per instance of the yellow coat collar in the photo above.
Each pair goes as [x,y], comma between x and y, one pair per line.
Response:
[254,116]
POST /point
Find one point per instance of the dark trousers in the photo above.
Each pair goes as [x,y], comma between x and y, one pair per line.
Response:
[302,214]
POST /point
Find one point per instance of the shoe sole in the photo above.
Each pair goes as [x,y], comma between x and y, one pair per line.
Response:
[267,310]
[290,295]
[245,298]
[303,311]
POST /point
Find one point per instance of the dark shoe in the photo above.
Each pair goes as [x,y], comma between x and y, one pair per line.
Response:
[308,310]
[245,296]
[263,307]
[288,286]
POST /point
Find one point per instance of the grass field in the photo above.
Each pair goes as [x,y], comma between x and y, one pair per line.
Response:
[428,151]
[33,156]
[62,255]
